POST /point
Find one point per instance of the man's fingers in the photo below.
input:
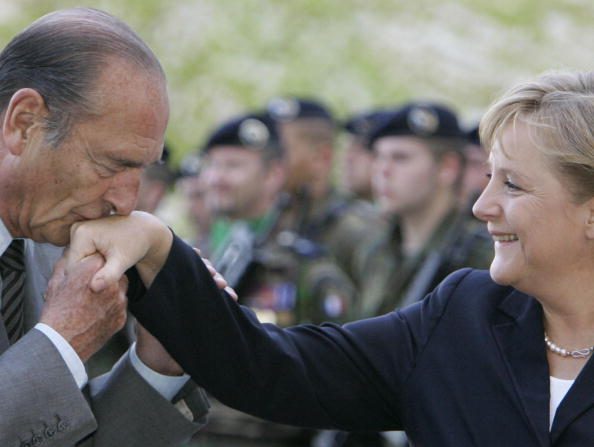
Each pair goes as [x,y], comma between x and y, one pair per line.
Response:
[80,246]
[59,269]
[112,272]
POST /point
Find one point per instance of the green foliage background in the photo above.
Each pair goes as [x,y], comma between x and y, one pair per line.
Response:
[224,56]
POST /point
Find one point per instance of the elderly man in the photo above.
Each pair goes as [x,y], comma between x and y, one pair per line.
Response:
[83,109]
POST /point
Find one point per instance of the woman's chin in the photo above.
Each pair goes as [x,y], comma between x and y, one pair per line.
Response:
[500,275]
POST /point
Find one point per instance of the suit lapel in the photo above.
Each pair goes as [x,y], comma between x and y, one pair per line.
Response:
[519,333]
[579,399]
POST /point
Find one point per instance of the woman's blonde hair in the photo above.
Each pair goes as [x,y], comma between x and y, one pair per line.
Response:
[558,108]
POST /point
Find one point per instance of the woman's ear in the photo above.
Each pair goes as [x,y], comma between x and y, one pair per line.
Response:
[25,110]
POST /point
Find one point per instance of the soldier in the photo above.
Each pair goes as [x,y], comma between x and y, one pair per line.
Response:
[417,170]
[358,156]
[316,211]
[417,174]
[284,278]
[194,191]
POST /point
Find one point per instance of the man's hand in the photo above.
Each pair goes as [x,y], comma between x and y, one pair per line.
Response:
[139,239]
[85,319]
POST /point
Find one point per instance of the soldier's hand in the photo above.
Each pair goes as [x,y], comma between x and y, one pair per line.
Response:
[86,319]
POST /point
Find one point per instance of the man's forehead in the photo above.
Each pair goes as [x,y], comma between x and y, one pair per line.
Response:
[401,143]
[232,151]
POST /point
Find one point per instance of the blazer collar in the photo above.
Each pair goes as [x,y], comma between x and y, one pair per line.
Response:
[519,332]
[579,399]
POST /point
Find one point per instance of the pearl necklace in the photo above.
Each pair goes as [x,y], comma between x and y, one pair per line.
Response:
[576,354]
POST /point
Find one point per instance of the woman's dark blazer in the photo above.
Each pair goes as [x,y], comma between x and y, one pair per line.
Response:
[464,367]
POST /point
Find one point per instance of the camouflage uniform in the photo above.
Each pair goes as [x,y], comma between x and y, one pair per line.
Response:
[287,280]
[344,227]
[283,276]
[394,280]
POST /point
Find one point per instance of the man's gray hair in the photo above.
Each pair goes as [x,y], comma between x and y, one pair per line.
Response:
[61,56]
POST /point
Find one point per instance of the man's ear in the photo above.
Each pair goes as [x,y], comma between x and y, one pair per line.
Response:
[25,110]
[590,219]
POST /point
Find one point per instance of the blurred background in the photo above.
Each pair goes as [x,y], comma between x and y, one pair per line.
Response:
[223,56]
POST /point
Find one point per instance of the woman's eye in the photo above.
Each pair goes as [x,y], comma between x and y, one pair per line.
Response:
[509,185]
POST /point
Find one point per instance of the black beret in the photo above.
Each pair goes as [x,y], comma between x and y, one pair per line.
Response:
[290,109]
[472,135]
[251,131]
[363,124]
[419,119]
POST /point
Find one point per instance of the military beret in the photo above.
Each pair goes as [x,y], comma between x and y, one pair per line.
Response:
[419,119]
[472,135]
[290,109]
[363,124]
[251,131]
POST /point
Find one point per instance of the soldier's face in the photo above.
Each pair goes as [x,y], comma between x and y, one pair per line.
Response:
[404,176]
[356,171]
[195,192]
[236,180]
[540,233]
[300,154]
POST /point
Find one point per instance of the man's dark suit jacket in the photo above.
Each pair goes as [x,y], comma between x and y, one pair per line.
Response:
[465,367]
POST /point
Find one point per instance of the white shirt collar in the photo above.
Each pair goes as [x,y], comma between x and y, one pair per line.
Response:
[5,238]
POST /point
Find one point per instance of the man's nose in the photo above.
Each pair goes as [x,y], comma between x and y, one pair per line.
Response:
[123,191]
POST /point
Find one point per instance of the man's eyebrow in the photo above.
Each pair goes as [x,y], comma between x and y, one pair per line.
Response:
[127,163]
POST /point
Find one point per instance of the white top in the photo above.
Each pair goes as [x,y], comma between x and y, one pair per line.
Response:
[559,388]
